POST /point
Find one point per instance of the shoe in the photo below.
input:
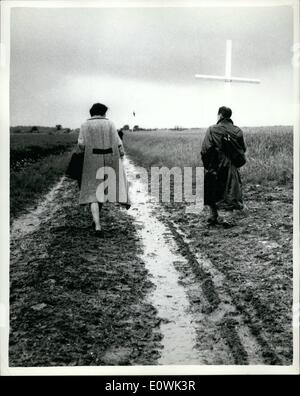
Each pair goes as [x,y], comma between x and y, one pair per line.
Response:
[126,205]
[228,224]
[99,233]
[212,220]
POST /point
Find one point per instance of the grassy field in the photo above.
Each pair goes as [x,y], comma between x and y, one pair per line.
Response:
[269,151]
[27,148]
[36,163]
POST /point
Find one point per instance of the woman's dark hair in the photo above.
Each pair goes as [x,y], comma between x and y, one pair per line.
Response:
[98,109]
[225,112]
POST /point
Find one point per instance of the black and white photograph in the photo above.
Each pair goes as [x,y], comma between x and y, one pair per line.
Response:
[149,187]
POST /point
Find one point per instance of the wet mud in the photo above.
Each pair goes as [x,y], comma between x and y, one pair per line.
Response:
[159,288]
[251,268]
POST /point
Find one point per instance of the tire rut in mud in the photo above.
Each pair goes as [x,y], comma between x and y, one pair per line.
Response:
[236,324]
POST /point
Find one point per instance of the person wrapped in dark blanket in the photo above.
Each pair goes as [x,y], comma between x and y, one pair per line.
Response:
[223,153]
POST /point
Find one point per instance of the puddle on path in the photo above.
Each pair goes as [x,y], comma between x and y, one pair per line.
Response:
[169,297]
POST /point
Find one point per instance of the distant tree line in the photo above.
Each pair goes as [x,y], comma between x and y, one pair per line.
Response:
[40,129]
[126,127]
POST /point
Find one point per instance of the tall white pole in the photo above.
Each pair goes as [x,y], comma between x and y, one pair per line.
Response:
[228,62]
[228,59]
[228,78]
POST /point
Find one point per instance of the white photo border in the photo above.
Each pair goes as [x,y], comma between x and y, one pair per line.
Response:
[6,7]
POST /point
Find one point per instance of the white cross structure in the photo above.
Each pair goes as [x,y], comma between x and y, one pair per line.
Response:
[228,77]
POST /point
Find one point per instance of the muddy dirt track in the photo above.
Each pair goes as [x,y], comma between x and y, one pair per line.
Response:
[160,288]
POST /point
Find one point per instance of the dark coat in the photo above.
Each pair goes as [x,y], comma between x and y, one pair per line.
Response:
[222,181]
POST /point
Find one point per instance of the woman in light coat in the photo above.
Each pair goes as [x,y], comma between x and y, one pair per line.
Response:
[103,174]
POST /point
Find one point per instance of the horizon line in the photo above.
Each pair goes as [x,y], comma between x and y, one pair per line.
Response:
[173,127]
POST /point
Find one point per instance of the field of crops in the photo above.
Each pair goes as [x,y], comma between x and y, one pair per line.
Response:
[269,151]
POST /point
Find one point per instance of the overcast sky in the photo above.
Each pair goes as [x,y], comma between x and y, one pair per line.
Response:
[144,60]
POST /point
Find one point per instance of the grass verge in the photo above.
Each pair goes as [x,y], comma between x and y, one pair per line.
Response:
[28,184]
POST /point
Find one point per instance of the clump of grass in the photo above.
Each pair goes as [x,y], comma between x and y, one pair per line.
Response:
[269,157]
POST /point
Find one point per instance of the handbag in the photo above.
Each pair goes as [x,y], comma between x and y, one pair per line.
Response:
[75,166]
